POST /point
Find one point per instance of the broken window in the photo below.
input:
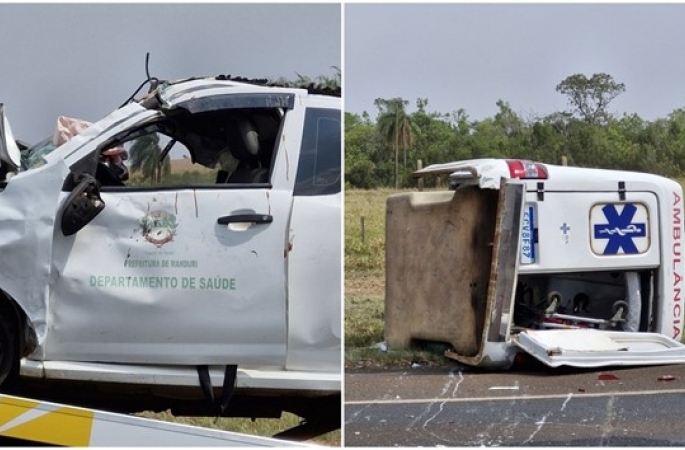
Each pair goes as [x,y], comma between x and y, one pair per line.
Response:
[228,147]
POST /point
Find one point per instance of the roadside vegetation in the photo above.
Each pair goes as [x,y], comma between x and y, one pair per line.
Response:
[258,427]
[365,286]
[384,150]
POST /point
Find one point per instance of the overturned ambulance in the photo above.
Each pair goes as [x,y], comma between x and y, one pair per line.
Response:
[578,267]
[217,261]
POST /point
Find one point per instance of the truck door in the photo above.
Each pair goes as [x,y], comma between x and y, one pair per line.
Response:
[185,264]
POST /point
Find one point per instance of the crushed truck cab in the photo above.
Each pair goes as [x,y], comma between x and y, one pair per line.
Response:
[222,247]
[575,266]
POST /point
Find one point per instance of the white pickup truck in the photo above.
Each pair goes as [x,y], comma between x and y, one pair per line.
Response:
[222,250]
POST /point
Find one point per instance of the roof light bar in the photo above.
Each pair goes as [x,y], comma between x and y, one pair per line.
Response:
[526,169]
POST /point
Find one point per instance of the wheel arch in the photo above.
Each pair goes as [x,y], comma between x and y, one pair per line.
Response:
[27,341]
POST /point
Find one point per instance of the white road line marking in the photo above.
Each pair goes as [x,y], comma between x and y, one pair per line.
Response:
[513,397]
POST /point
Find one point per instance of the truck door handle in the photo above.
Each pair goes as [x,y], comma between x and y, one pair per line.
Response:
[237,218]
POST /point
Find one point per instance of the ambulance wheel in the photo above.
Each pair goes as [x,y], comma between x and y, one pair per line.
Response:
[8,350]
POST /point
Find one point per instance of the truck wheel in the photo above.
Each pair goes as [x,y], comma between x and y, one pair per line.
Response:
[8,349]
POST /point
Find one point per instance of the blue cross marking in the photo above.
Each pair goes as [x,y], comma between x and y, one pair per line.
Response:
[564,228]
[620,231]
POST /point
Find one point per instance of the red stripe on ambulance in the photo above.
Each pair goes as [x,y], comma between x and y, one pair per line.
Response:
[677,277]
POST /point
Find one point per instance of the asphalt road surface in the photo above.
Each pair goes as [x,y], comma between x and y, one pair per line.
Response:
[461,406]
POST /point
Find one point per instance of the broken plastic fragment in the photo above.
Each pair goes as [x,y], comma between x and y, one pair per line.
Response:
[666,378]
[381,346]
[607,377]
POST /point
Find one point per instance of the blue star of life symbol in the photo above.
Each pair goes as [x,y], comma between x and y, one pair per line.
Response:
[620,231]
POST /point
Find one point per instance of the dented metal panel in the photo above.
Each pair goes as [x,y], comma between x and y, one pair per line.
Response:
[28,210]
[170,285]
[504,272]
[486,173]
[314,320]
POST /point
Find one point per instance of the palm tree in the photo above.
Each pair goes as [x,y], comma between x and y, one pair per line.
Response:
[145,157]
[397,127]
[331,82]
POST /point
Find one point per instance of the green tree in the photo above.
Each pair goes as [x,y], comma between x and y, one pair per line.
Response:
[433,142]
[396,127]
[361,152]
[591,97]
[146,158]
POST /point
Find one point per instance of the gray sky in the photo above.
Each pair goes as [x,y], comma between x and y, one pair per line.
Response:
[470,55]
[84,60]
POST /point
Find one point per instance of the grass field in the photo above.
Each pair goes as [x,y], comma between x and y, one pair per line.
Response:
[364,271]
[259,427]
[365,283]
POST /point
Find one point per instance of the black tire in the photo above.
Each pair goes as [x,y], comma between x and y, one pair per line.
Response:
[8,350]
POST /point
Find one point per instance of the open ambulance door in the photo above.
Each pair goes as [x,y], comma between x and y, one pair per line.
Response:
[599,348]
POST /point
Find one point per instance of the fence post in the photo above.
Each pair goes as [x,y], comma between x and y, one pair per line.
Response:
[363,230]
[419,166]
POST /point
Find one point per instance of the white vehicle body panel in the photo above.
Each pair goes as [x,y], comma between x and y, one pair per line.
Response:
[29,209]
[315,331]
[271,378]
[224,283]
[593,348]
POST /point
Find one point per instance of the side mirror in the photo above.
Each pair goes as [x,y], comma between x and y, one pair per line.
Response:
[82,205]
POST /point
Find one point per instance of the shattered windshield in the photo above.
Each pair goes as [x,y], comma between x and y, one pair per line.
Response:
[34,156]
